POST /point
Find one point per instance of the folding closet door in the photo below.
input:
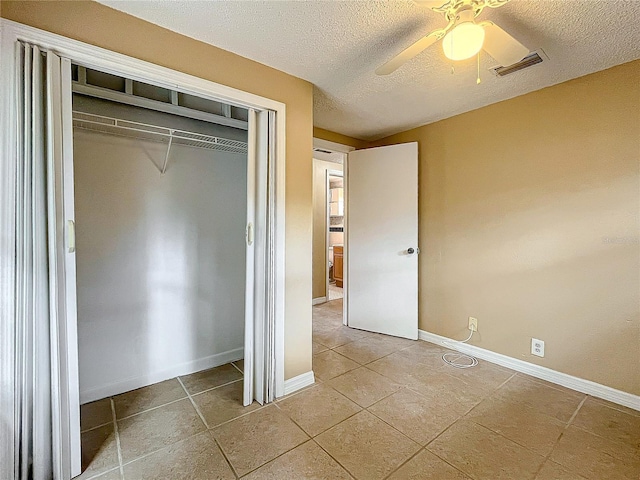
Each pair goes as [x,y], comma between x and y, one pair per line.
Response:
[259,381]
[250,233]
[66,357]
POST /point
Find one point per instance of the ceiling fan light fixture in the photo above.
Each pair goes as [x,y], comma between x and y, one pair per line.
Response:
[464,41]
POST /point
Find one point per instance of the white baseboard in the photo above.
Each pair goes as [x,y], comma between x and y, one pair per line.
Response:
[186,368]
[544,373]
[319,300]
[296,383]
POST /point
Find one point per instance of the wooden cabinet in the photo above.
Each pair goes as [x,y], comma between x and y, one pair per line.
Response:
[338,257]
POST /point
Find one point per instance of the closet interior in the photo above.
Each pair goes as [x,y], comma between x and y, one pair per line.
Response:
[160,182]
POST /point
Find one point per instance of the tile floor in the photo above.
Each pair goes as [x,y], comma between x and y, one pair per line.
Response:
[335,292]
[383,408]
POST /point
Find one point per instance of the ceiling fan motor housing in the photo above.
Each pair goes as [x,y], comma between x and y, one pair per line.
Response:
[452,8]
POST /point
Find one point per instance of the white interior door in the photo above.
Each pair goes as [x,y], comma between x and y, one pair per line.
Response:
[382,240]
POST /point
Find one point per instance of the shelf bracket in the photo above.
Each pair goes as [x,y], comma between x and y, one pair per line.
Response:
[166,158]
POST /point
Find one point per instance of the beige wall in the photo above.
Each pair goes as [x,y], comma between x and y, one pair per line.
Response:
[529,221]
[320,253]
[339,138]
[96,24]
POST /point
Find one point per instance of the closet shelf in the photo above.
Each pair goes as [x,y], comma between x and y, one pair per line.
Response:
[170,136]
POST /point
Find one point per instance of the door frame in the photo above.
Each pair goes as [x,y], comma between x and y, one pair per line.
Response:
[344,149]
[95,57]
[327,174]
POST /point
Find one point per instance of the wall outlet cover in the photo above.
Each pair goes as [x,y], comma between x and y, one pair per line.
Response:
[473,324]
[537,347]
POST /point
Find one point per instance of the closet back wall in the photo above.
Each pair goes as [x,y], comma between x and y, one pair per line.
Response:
[160,261]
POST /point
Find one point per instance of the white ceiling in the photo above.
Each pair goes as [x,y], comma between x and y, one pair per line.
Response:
[337,45]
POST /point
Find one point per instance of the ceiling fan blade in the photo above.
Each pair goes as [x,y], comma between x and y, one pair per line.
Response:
[431,3]
[501,46]
[495,3]
[410,52]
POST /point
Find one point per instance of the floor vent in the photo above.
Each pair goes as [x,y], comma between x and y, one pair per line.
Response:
[528,61]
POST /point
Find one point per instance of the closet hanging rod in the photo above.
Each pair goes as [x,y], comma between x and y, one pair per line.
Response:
[131,129]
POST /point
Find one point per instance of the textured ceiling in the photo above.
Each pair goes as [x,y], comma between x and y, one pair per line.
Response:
[337,45]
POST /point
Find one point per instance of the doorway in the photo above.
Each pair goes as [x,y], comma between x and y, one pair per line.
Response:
[161,195]
[160,199]
[377,206]
[329,282]
[335,235]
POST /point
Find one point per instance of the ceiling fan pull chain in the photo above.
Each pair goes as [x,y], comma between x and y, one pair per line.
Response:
[478,79]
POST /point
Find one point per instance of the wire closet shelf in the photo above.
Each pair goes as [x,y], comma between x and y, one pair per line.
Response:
[154,133]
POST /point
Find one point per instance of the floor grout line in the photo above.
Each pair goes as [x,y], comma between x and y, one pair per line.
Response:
[194,404]
[237,368]
[329,428]
[575,414]
[152,408]
[97,426]
[404,463]
[449,463]
[297,392]
[313,439]
[362,409]
[207,430]
[212,388]
[177,400]
[99,474]
[309,438]
[224,455]
[165,447]
[117,434]
[547,457]
[261,407]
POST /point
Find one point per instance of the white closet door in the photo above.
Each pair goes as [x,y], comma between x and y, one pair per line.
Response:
[62,264]
[259,332]
[250,309]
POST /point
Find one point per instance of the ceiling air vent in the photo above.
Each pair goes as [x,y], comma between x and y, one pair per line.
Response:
[528,61]
[321,151]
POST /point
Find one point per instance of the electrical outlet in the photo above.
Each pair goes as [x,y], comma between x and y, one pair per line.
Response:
[537,347]
[473,324]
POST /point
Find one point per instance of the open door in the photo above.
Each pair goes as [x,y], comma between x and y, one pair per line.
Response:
[382,240]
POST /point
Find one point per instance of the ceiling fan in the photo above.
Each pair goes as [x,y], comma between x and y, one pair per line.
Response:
[463,38]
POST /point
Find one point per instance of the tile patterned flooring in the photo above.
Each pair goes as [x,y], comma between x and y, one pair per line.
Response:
[335,292]
[382,408]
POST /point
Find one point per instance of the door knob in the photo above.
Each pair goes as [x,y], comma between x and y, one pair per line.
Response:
[410,251]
